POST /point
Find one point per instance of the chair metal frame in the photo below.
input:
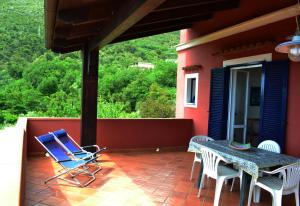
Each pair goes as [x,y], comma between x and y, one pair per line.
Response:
[72,166]
[81,153]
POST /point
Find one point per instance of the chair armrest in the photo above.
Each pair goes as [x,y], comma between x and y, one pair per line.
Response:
[276,171]
[89,146]
[222,159]
[100,150]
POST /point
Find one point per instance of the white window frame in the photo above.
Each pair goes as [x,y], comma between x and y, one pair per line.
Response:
[256,58]
[190,76]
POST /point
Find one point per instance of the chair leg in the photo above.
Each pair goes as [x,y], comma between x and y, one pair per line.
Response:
[277,198]
[256,198]
[219,184]
[192,172]
[252,185]
[201,186]
[297,195]
[232,184]
[241,179]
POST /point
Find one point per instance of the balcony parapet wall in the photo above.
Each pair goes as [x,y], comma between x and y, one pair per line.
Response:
[119,134]
[13,163]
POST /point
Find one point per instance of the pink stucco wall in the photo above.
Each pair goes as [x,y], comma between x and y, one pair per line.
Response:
[211,55]
[118,134]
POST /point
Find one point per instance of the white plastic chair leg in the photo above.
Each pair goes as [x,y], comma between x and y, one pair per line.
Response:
[277,198]
[297,196]
[232,184]
[192,172]
[233,181]
[250,192]
[256,196]
[219,184]
[201,185]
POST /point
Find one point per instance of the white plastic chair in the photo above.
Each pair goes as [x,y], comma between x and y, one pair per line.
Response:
[212,168]
[284,184]
[197,157]
[270,145]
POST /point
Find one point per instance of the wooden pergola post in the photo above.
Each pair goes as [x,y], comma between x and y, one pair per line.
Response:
[90,62]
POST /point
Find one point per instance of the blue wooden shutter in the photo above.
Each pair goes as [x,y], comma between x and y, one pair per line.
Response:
[274,100]
[218,108]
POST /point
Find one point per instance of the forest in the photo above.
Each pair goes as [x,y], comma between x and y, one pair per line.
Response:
[36,82]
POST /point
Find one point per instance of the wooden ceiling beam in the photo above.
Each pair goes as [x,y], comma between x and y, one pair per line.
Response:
[95,32]
[86,14]
[155,31]
[166,23]
[179,4]
[70,48]
[50,13]
[71,30]
[63,42]
[159,16]
[128,15]
[187,18]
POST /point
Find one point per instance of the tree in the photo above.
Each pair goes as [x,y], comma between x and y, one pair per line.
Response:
[35,81]
[165,73]
[158,104]
[62,105]
[48,86]
[108,109]
[136,91]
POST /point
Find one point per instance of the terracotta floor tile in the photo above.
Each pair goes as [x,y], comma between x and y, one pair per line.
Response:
[133,179]
[158,198]
[176,201]
[30,203]
[41,204]
[52,201]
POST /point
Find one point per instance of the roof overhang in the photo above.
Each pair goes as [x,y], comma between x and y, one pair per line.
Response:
[71,24]
[254,23]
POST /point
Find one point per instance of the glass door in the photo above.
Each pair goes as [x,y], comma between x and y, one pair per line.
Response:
[238,105]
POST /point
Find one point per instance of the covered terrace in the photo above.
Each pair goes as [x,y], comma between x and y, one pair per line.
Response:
[136,173]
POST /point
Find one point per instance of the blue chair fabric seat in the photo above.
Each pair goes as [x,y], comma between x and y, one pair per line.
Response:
[73,164]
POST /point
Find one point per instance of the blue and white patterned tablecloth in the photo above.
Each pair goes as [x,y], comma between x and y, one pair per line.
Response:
[250,160]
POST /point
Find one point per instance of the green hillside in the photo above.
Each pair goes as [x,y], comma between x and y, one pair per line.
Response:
[37,82]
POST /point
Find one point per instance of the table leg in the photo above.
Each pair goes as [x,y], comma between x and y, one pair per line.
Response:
[245,185]
[200,175]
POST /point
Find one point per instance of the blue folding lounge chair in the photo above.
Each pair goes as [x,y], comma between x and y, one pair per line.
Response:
[69,144]
[72,167]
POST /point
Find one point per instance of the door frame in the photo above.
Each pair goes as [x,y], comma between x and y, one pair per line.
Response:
[232,96]
[242,63]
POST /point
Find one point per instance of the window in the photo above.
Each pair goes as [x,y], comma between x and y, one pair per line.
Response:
[191,90]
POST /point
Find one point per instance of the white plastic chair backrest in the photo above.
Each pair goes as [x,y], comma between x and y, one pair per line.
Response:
[290,175]
[202,138]
[210,162]
[270,145]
